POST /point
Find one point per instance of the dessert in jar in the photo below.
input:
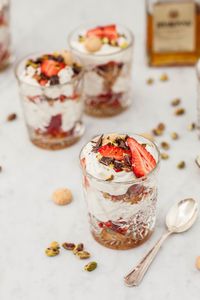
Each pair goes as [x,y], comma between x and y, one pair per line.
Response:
[5,38]
[50,87]
[120,186]
[106,51]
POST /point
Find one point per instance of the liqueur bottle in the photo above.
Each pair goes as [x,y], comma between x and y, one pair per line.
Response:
[173,32]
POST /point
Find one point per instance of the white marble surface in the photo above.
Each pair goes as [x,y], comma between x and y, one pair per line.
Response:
[29,220]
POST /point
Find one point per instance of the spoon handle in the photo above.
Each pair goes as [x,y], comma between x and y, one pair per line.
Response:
[135,276]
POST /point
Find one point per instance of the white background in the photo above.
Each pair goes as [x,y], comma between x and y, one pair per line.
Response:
[29,220]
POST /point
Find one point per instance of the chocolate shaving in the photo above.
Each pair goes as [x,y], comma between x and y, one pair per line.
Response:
[121,144]
[127,160]
[54,79]
[76,69]
[60,58]
[95,148]
[118,165]
[106,160]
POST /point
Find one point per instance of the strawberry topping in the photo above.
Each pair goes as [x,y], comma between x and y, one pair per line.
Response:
[109,31]
[83,162]
[43,82]
[110,150]
[55,125]
[51,67]
[142,161]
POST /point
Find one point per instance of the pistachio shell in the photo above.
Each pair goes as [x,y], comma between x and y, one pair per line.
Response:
[83,254]
[91,266]
[52,252]
[78,248]
[54,245]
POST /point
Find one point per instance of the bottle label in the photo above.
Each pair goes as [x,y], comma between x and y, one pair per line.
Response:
[174,27]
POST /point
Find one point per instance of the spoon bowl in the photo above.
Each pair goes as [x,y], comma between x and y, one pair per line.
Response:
[180,218]
[182,215]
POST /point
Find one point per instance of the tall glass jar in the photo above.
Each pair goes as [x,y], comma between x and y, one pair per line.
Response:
[5,38]
[53,114]
[107,80]
[173,32]
[122,214]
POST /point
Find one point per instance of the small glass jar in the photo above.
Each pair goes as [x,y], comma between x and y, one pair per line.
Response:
[107,80]
[5,38]
[122,215]
[52,113]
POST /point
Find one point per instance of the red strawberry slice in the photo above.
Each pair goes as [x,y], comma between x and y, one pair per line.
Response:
[109,31]
[55,125]
[83,162]
[142,161]
[113,151]
[95,31]
[51,67]
[43,82]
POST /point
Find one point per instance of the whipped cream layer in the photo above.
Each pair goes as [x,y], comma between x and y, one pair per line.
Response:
[125,37]
[104,209]
[94,83]
[38,115]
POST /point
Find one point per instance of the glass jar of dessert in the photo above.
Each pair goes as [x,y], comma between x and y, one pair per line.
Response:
[106,51]
[50,87]
[5,38]
[120,186]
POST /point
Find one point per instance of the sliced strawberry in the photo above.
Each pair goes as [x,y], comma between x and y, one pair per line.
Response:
[43,82]
[117,170]
[54,128]
[109,31]
[83,162]
[95,31]
[113,151]
[51,67]
[142,161]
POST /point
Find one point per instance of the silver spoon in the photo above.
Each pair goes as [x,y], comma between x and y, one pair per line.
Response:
[180,218]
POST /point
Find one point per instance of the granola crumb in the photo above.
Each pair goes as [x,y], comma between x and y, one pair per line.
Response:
[164,156]
[1,169]
[164,77]
[174,136]
[157,132]
[161,126]
[165,145]
[191,126]
[181,165]
[12,117]
[150,80]
[179,111]
[176,102]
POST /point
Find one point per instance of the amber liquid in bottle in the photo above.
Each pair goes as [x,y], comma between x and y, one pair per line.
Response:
[177,58]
